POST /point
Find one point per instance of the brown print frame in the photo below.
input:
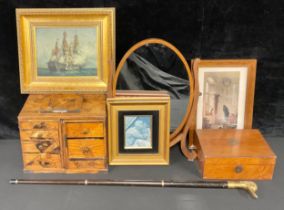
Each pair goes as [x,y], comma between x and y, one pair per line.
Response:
[251,76]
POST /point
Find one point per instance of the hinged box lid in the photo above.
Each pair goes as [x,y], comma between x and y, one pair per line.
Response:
[69,105]
[233,143]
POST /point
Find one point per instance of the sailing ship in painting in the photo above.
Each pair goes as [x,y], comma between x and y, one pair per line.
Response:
[68,57]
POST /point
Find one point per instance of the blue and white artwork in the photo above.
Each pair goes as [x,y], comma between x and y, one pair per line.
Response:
[66,51]
[138,130]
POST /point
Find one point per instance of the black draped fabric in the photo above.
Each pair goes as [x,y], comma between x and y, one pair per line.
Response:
[139,74]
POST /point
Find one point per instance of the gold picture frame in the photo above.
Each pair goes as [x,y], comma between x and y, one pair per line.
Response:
[143,111]
[66,50]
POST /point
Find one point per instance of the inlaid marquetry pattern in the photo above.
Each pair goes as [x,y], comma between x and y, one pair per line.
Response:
[67,142]
[40,145]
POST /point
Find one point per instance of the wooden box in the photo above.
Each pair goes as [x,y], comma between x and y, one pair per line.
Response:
[64,133]
[234,154]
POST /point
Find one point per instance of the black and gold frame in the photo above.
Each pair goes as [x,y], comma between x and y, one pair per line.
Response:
[138,130]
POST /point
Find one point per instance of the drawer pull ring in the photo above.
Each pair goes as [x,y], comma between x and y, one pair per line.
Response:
[238,169]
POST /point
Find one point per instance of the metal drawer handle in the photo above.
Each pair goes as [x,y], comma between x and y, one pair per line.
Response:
[86,151]
[85,132]
[239,169]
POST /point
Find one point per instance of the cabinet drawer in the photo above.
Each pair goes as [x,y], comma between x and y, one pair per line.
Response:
[238,171]
[30,135]
[40,147]
[86,164]
[44,125]
[79,130]
[41,161]
[86,148]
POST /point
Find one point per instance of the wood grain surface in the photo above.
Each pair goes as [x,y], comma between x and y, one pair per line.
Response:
[77,130]
[86,148]
[64,141]
[234,154]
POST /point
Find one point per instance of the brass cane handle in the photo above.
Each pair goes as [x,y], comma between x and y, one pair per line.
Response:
[249,186]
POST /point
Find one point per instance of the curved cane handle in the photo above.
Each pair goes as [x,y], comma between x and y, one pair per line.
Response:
[249,186]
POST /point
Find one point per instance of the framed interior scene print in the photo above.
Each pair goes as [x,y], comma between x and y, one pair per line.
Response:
[140,130]
[65,50]
[226,93]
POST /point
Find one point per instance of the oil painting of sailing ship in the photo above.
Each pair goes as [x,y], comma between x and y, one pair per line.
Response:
[66,52]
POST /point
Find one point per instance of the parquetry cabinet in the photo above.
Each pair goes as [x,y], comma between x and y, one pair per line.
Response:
[64,133]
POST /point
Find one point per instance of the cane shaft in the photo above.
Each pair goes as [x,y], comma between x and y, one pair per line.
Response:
[162,183]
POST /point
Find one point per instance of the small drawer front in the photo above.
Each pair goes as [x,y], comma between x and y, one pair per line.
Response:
[238,171]
[39,125]
[84,130]
[86,148]
[86,164]
[40,147]
[41,161]
[39,135]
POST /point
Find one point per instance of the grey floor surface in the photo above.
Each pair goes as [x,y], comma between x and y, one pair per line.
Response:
[31,197]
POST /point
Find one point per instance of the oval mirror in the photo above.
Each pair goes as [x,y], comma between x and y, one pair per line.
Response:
[154,64]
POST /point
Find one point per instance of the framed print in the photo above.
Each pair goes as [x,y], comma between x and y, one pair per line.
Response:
[65,50]
[138,130]
[226,93]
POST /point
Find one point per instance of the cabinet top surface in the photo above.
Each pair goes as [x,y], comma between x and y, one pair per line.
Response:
[64,105]
[233,143]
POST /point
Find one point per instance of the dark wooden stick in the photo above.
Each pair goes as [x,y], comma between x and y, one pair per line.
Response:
[249,186]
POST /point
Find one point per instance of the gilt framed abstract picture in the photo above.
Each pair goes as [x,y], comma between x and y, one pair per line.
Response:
[139,133]
[65,50]
[226,93]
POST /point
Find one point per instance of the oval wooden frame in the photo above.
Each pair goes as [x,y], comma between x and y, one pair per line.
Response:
[178,130]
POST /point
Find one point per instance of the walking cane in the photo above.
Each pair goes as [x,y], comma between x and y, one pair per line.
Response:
[248,186]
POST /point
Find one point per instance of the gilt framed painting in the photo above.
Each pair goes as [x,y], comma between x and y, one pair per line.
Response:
[139,133]
[225,93]
[65,50]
